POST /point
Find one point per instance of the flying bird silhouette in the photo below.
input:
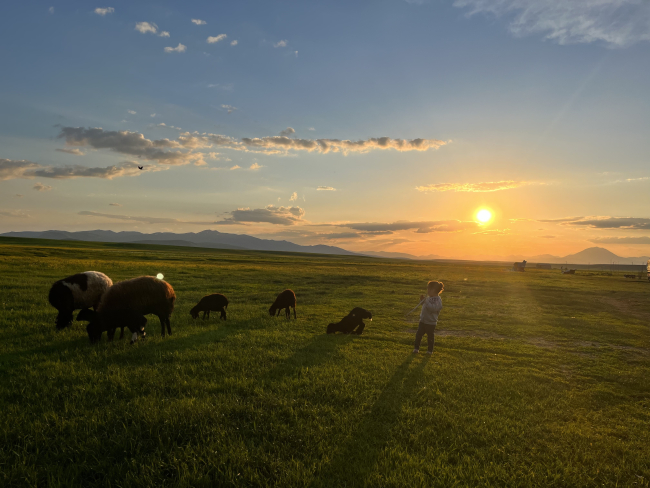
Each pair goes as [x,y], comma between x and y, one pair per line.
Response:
[140,167]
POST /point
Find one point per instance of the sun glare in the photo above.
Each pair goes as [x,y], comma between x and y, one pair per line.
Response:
[484,215]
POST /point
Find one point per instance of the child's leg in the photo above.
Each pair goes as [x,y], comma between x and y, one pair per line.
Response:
[430,336]
[418,335]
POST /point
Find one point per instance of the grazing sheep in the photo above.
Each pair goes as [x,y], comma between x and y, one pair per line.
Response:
[126,299]
[285,300]
[353,320]
[135,322]
[210,303]
[82,290]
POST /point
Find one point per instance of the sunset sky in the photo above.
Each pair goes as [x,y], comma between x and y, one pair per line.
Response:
[369,125]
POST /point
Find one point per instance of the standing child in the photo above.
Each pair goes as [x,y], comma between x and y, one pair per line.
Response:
[431,306]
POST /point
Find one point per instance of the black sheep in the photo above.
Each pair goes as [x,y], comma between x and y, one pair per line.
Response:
[210,303]
[134,321]
[352,321]
[285,300]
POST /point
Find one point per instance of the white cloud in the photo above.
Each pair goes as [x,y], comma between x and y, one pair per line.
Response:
[11,169]
[199,21]
[326,188]
[152,115]
[104,11]
[270,215]
[181,48]
[234,43]
[213,39]
[229,108]
[296,53]
[132,112]
[75,151]
[14,213]
[288,132]
[235,167]
[255,167]
[164,34]
[488,186]
[276,144]
[293,197]
[615,22]
[311,128]
[282,43]
[145,27]
[51,10]
[42,187]
[227,87]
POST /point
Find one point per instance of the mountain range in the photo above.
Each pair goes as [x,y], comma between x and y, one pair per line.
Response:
[220,240]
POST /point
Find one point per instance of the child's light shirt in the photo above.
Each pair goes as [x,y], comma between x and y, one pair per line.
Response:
[431,307]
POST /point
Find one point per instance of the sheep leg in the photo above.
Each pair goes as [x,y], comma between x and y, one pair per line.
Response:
[208,314]
[223,313]
[169,325]
[162,325]
[203,318]
[359,330]
[278,314]
[294,313]
[287,312]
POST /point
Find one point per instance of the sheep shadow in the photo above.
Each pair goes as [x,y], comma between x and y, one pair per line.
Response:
[356,460]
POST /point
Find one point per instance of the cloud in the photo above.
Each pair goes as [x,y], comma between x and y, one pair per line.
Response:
[127,168]
[181,48]
[42,187]
[494,232]
[293,197]
[283,143]
[326,188]
[255,167]
[145,27]
[104,11]
[18,195]
[270,215]
[214,39]
[76,152]
[227,87]
[51,10]
[311,128]
[235,167]
[152,115]
[144,220]
[165,151]
[199,22]
[421,227]
[610,223]
[229,108]
[547,237]
[234,43]
[621,240]
[114,205]
[11,169]
[164,34]
[488,186]
[288,132]
[14,213]
[282,43]
[132,112]
[557,221]
[617,23]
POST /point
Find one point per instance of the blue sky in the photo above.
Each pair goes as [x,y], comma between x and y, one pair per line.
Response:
[538,110]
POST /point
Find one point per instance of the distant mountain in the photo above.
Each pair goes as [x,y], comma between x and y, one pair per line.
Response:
[206,238]
[592,255]
[398,255]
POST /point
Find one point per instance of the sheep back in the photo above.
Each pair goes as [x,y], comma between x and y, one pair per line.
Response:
[144,295]
[82,290]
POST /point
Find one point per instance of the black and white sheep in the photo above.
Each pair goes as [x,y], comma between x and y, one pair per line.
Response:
[285,300]
[82,290]
[352,321]
[210,303]
[126,300]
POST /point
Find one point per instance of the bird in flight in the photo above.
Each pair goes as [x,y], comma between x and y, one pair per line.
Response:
[140,167]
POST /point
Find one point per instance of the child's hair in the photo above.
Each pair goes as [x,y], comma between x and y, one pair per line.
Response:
[436,286]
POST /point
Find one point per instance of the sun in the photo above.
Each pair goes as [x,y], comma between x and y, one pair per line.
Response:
[484,215]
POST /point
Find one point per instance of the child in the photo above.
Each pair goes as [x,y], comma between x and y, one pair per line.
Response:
[431,306]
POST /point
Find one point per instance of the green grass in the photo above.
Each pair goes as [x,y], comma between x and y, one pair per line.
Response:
[538,379]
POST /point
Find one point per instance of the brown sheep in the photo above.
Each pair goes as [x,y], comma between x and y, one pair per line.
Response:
[139,296]
[215,302]
[285,300]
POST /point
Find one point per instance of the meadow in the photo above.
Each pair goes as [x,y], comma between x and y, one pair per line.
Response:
[538,379]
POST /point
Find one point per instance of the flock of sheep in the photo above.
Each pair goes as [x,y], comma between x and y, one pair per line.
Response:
[125,304]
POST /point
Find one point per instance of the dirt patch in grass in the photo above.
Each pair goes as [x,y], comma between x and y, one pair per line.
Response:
[628,306]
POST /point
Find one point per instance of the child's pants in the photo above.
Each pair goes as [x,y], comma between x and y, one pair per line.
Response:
[427,329]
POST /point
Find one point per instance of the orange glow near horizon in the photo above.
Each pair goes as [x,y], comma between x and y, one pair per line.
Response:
[484,215]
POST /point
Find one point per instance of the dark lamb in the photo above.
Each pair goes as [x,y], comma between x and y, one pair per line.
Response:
[210,303]
[352,321]
[131,320]
[285,300]
[127,299]
[82,290]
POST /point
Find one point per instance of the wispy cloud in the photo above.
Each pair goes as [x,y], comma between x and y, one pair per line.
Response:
[234,43]
[633,223]
[19,214]
[104,11]
[132,112]
[214,39]
[42,187]
[229,108]
[164,34]
[235,167]
[288,132]
[199,22]
[11,169]
[255,167]
[127,168]
[326,188]
[293,197]
[227,87]
[146,27]
[181,48]
[114,205]
[615,22]
[144,219]
[76,152]
[488,186]
[270,215]
[420,227]
[621,240]
[282,43]
[283,143]
[51,10]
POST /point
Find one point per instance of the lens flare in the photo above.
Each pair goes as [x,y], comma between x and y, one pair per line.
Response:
[160,276]
[484,215]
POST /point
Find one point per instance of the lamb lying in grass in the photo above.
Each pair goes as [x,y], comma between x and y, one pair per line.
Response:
[352,321]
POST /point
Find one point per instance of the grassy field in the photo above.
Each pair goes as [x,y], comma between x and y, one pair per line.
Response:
[538,379]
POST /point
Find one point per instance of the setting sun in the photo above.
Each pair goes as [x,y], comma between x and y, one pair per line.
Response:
[484,215]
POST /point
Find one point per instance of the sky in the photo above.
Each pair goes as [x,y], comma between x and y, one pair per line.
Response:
[381,125]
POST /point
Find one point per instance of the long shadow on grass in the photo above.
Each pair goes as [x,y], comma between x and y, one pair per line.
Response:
[355,461]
